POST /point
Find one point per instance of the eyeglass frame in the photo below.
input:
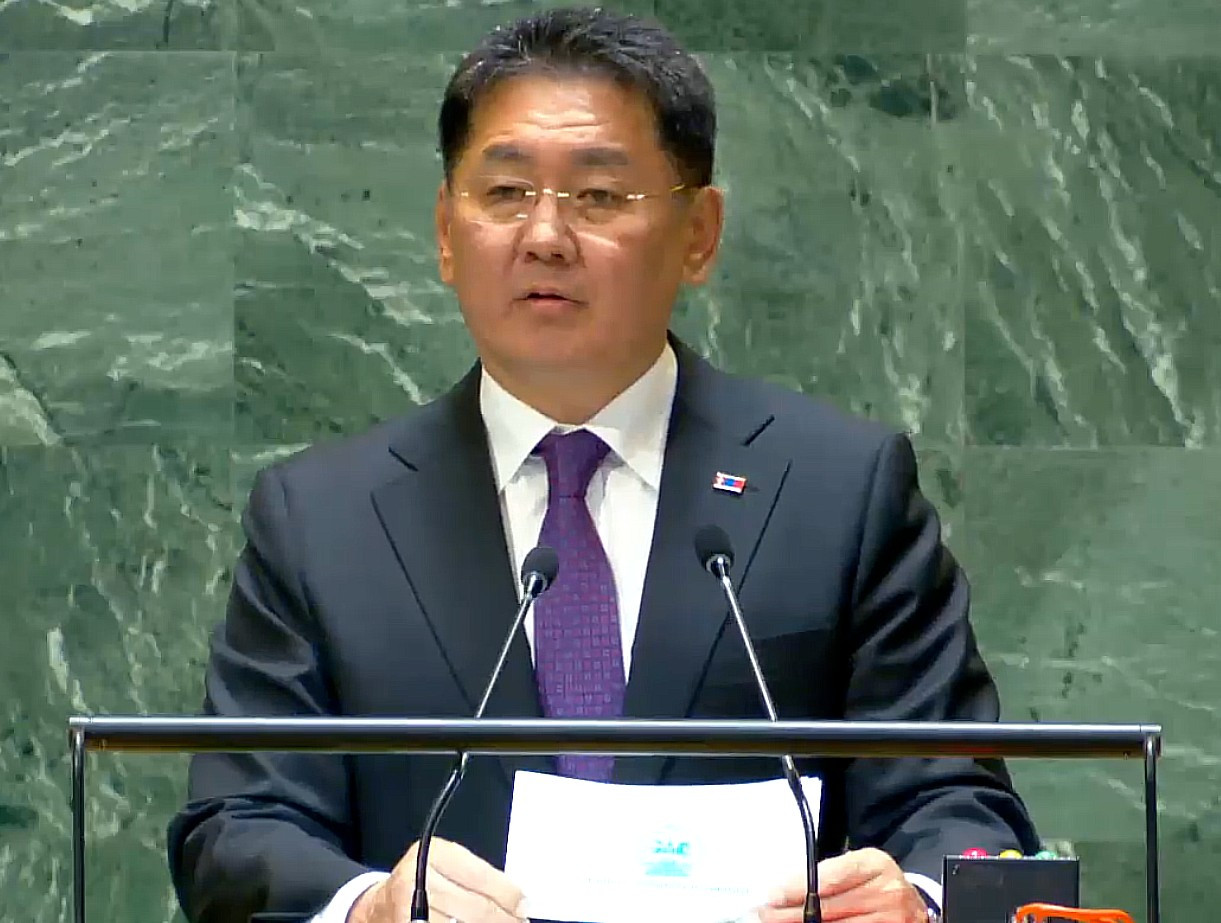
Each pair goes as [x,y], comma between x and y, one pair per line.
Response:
[533,195]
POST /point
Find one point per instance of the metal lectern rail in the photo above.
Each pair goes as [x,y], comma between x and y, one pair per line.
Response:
[621,738]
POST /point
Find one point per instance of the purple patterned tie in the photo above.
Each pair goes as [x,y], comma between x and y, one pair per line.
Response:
[578,647]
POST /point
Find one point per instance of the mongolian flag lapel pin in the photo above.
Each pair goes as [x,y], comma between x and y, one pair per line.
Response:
[730,483]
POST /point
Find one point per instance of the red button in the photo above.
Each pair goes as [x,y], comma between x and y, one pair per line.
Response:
[975,853]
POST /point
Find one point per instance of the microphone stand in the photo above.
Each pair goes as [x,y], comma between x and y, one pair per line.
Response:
[534,584]
[718,565]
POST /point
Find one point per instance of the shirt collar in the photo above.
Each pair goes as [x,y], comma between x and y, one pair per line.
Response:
[634,424]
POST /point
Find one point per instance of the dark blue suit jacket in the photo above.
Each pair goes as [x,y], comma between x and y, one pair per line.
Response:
[376,581]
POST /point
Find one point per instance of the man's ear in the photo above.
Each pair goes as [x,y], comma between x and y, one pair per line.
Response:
[443,217]
[705,222]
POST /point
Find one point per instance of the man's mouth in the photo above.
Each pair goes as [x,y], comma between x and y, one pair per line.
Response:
[546,297]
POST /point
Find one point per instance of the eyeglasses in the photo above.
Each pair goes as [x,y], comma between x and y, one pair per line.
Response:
[501,202]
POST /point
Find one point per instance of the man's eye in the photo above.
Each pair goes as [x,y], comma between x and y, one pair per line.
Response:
[504,193]
[601,198]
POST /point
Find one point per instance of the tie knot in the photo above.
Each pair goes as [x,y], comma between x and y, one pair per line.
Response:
[572,459]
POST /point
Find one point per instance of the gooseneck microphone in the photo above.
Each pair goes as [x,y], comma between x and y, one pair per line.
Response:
[537,574]
[715,553]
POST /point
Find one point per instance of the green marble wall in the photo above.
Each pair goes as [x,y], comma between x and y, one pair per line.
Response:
[996,223]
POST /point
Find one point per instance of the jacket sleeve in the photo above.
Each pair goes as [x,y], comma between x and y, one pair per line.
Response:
[264,832]
[914,658]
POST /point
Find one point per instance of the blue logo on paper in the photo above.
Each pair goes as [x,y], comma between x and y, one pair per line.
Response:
[669,857]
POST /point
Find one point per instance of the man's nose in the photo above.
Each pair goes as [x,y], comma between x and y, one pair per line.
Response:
[547,234]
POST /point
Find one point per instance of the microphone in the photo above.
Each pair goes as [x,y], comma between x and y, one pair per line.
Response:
[715,553]
[537,574]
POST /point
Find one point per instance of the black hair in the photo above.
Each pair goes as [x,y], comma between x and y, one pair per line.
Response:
[636,53]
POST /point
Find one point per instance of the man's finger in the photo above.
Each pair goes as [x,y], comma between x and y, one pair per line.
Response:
[877,898]
[857,905]
[448,900]
[834,877]
[780,915]
[883,917]
[837,875]
[851,870]
[793,915]
[466,870]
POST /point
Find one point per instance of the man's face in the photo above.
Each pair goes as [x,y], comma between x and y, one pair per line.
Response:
[580,289]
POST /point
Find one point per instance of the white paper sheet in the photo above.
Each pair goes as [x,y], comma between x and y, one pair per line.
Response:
[603,853]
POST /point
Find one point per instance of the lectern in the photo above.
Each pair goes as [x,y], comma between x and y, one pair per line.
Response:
[719,738]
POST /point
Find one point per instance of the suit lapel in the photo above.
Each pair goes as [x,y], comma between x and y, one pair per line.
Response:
[683,611]
[443,518]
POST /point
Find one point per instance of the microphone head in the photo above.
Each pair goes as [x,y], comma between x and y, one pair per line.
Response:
[712,542]
[543,562]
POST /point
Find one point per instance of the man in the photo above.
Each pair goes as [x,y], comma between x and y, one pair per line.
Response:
[378,576]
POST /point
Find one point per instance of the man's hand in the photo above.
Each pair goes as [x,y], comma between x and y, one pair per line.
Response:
[862,886]
[461,887]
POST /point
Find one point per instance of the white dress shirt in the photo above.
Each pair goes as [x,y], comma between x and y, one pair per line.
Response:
[622,499]
[622,495]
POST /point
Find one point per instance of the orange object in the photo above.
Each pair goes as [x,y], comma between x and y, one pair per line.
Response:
[1043,913]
